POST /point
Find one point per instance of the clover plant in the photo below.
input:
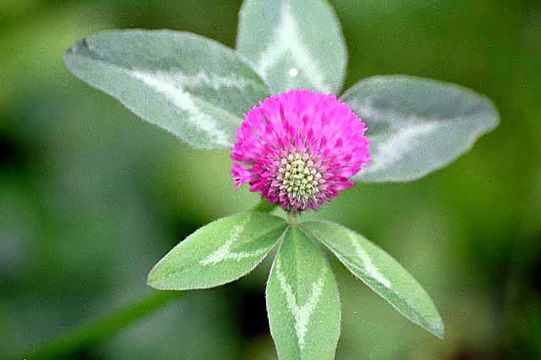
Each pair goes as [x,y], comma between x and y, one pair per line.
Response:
[276,102]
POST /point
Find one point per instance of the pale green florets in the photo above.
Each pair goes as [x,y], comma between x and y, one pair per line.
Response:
[299,177]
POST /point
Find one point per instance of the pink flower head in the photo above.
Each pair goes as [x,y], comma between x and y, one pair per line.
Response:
[299,149]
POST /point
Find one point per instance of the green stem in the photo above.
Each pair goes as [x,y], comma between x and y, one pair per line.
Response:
[293,219]
[95,332]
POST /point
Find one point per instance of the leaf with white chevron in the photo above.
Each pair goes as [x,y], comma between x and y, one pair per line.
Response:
[302,301]
[293,44]
[191,86]
[380,272]
[218,253]
[417,126]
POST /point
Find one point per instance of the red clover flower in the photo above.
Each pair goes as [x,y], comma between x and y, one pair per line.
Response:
[299,149]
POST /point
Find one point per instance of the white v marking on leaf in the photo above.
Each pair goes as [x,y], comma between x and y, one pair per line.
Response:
[175,92]
[224,252]
[369,267]
[389,147]
[202,79]
[301,314]
[287,40]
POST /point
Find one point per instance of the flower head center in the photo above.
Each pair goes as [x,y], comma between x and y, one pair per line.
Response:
[299,177]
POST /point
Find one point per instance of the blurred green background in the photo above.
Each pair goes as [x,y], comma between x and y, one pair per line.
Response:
[91,197]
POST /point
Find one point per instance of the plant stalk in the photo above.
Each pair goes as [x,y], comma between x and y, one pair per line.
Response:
[95,332]
[293,219]
[84,336]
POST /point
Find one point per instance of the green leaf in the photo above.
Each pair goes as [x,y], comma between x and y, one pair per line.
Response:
[417,125]
[218,253]
[193,87]
[293,43]
[302,301]
[380,272]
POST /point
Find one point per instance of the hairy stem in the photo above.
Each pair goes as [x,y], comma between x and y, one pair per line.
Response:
[97,331]
[293,219]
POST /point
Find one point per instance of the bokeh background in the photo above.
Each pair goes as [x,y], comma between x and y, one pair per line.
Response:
[91,196]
